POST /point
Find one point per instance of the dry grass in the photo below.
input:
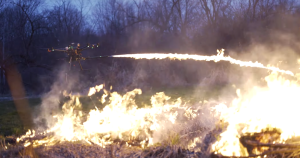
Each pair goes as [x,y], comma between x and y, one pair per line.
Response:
[78,150]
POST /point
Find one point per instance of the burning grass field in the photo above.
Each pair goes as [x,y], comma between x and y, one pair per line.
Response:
[11,128]
[184,122]
[201,122]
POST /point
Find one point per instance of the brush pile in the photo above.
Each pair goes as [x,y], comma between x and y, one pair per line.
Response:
[264,144]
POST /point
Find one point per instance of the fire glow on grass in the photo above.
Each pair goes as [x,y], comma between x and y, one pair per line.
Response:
[216,58]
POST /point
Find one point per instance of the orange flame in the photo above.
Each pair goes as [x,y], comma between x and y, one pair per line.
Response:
[274,107]
[121,119]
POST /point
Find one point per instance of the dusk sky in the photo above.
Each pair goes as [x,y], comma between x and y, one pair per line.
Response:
[88,4]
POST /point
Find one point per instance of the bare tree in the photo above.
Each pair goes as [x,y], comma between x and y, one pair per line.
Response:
[22,22]
[214,9]
[111,22]
[66,22]
[186,12]
[160,12]
[29,9]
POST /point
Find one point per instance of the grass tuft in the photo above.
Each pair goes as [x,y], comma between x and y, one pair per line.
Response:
[175,139]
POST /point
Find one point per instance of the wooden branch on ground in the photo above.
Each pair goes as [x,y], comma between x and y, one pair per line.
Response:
[258,144]
[280,149]
[271,152]
[252,143]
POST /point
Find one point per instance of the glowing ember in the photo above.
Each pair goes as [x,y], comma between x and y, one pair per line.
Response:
[216,58]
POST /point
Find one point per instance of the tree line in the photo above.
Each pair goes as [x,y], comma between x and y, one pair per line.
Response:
[132,26]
